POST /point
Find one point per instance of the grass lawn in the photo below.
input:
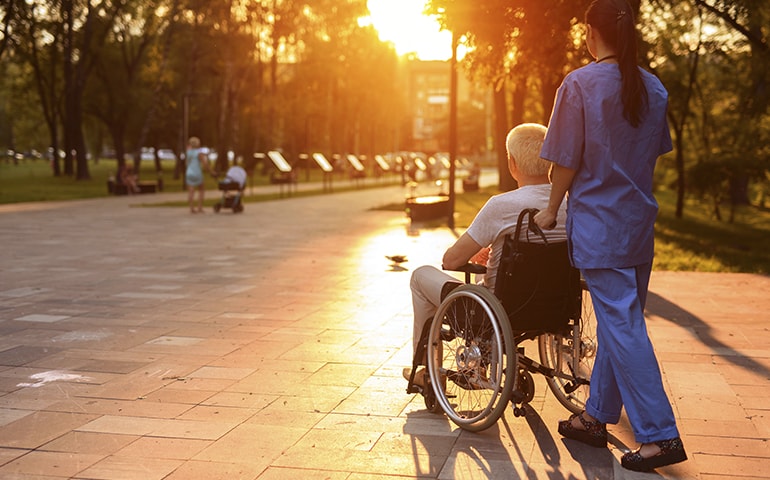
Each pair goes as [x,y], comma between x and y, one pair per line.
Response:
[33,181]
[696,242]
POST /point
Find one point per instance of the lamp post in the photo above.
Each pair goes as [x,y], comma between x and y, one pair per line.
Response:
[185,134]
[186,124]
[452,130]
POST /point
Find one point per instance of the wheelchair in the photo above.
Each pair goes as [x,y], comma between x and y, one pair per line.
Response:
[472,347]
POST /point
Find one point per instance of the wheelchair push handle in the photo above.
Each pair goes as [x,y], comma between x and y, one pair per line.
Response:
[531,225]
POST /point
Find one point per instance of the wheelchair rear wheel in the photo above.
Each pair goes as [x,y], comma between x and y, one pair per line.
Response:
[572,356]
[472,357]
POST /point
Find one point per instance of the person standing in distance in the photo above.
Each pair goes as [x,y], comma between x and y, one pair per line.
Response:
[197,162]
[607,129]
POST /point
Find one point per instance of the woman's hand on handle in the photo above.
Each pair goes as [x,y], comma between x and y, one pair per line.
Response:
[561,180]
[545,219]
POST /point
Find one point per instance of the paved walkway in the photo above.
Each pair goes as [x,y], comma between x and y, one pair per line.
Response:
[150,343]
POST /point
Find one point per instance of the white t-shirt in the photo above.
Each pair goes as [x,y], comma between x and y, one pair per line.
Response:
[500,214]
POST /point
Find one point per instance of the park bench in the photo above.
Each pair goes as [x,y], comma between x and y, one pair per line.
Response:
[418,170]
[326,168]
[357,168]
[145,186]
[283,176]
[381,165]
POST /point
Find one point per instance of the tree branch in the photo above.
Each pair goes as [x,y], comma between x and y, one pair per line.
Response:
[758,42]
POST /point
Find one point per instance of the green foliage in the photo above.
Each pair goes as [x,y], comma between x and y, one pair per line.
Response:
[696,242]
[712,58]
[32,181]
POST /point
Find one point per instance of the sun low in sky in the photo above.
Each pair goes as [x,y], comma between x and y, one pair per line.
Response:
[403,23]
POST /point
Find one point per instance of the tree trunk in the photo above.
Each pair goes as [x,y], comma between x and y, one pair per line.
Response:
[739,189]
[519,96]
[67,13]
[157,88]
[118,143]
[549,89]
[223,145]
[506,181]
[81,154]
[680,174]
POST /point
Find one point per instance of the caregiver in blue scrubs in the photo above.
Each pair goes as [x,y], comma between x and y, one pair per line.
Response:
[607,129]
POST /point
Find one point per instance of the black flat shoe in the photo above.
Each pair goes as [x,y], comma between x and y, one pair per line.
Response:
[671,452]
[594,433]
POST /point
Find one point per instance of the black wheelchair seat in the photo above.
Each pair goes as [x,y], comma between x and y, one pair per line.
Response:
[536,283]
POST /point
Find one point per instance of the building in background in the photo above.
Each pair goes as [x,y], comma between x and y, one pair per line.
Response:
[428,98]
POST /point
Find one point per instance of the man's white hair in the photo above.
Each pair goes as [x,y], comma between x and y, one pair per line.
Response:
[523,144]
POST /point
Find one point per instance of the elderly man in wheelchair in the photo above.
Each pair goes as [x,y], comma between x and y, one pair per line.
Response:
[467,360]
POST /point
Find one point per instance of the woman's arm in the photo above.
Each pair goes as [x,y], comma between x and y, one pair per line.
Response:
[561,180]
[203,159]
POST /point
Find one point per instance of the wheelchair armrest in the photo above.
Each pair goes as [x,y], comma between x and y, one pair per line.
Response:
[469,268]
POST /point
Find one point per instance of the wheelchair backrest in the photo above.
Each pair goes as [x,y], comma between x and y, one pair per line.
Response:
[537,285]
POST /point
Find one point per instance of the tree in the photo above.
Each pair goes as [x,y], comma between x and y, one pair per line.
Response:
[748,18]
[532,43]
[7,16]
[86,26]
[119,93]
[682,49]
[713,60]
[342,92]
[38,44]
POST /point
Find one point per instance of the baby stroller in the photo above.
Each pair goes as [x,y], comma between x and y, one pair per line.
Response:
[232,187]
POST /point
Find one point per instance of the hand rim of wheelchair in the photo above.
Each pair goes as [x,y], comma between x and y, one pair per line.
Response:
[489,397]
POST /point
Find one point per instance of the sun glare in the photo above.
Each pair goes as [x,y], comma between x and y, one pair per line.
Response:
[403,23]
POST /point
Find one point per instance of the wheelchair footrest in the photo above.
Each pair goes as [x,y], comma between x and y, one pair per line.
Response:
[570,387]
[412,389]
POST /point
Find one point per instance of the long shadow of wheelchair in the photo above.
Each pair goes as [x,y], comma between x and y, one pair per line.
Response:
[495,452]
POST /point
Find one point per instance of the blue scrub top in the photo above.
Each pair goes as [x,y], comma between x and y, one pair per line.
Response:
[610,208]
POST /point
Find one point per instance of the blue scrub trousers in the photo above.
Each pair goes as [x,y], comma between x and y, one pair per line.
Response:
[626,371]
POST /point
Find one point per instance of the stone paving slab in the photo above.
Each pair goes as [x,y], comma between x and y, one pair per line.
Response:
[149,343]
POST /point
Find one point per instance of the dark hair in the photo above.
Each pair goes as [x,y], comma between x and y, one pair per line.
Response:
[615,22]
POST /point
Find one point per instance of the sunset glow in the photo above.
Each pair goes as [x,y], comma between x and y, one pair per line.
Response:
[403,23]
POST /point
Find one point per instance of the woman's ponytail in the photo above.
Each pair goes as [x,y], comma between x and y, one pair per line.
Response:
[616,24]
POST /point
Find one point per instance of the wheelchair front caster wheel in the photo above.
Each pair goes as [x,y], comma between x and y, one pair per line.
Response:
[526,385]
[431,403]
[519,411]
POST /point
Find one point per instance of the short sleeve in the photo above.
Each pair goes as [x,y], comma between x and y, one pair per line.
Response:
[563,143]
[484,228]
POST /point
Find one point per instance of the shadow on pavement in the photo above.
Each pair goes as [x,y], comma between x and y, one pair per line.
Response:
[667,310]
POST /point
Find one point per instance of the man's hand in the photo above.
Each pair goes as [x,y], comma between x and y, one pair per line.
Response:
[482,257]
[545,220]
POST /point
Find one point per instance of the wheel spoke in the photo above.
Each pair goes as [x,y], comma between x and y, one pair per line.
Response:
[572,357]
[468,364]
